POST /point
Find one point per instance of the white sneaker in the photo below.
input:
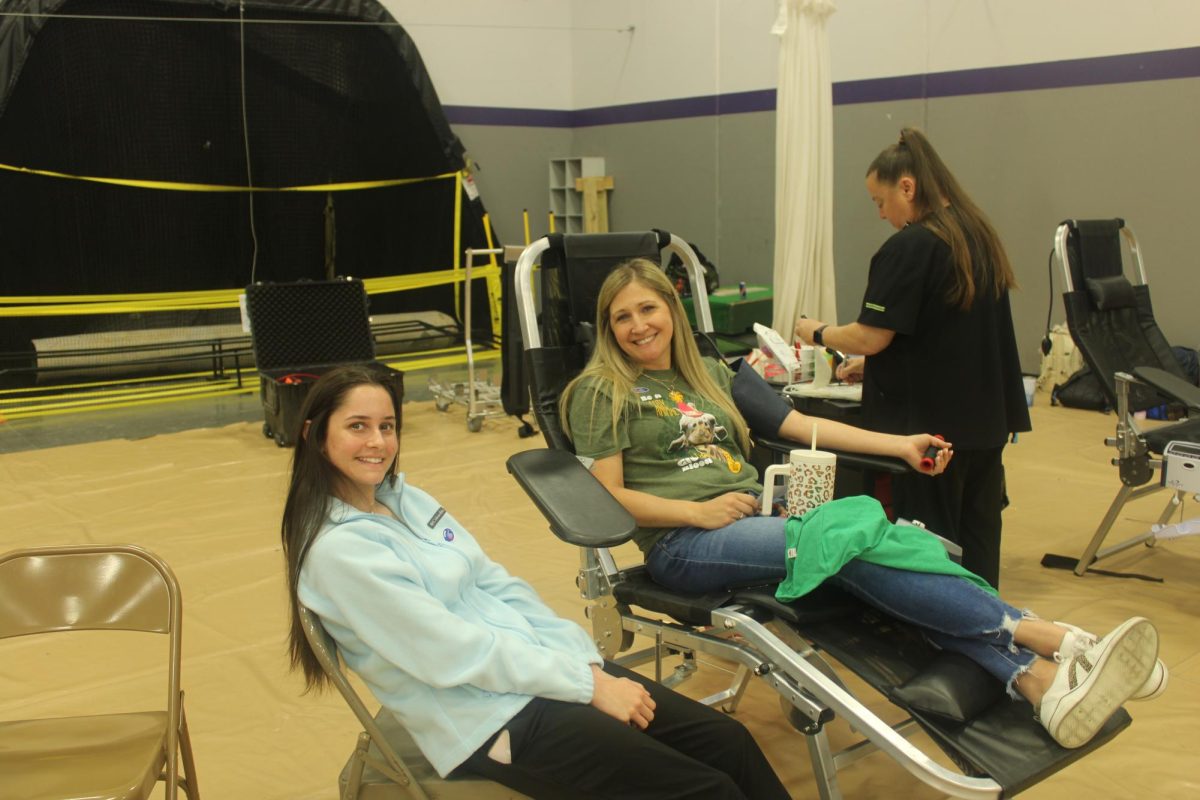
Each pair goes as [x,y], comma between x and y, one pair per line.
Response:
[1155,685]
[1089,687]
[1077,641]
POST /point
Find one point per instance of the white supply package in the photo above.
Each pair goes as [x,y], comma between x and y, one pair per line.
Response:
[783,354]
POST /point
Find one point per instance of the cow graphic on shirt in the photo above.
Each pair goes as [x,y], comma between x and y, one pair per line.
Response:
[700,432]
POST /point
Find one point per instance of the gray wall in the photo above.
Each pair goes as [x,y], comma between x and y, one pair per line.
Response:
[512,173]
[1030,159]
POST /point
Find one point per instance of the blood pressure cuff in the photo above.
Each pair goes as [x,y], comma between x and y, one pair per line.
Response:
[762,407]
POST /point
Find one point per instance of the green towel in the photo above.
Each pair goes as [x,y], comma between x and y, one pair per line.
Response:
[823,540]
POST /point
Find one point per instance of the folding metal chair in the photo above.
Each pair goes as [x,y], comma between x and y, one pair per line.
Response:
[386,763]
[52,590]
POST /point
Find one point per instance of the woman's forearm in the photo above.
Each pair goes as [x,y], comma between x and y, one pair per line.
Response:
[798,427]
[858,338]
[854,337]
[651,511]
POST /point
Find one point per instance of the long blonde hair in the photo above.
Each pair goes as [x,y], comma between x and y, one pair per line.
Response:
[611,369]
[950,214]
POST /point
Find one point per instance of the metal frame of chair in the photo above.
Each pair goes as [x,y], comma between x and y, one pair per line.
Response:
[1139,449]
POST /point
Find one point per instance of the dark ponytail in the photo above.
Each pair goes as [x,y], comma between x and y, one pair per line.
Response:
[945,209]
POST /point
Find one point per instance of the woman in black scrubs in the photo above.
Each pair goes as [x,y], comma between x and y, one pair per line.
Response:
[936,329]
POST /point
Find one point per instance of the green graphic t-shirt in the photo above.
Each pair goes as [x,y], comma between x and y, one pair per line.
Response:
[674,444]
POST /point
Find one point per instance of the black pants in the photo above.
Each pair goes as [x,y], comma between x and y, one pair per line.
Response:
[962,504]
[571,750]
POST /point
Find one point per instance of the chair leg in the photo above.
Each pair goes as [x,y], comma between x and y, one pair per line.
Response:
[1114,508]
[1175,502]
[824,770]
[188,782]
[1093,553]
[682,672]
[727,699]
[357,761]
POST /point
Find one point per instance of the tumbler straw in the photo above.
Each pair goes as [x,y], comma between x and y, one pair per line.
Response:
[812,444]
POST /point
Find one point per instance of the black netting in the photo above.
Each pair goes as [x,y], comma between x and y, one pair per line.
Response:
[161,99]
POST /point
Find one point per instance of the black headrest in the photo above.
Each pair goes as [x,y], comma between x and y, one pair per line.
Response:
[1094,247]
[590,257]
[1110,293]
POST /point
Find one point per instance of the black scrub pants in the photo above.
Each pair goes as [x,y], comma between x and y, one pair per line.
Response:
[572,750]
[963,504]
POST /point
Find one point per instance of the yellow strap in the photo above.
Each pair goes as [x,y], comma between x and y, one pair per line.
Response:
[455,259]
[69,305]
[198,294]
[176,186]
[56,405]
[433,362]
[209,392]
[250,376]
[493,281]
[84,403]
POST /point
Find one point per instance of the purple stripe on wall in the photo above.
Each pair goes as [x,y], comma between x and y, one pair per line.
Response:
[1155,66]
[707,106]
[1134,67]
[528,117]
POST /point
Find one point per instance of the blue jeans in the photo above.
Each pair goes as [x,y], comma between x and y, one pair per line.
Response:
[953,613]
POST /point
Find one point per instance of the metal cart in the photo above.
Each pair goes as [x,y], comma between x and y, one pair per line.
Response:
[481,397]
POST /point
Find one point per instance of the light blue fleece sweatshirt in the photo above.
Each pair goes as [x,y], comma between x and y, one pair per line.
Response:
[442,635]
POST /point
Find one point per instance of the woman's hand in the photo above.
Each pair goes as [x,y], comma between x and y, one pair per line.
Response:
[622,699]
[724,510]
[804,329]
[913,449]
[851,370]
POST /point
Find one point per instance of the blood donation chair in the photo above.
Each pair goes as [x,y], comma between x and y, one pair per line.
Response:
[1112,322]
[996,742]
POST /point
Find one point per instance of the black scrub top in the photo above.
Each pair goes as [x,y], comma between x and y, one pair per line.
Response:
[947,371]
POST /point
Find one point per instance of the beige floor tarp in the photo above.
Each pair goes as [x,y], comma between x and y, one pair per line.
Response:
[208,501]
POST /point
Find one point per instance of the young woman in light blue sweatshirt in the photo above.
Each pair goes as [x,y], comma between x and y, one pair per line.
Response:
[484,676]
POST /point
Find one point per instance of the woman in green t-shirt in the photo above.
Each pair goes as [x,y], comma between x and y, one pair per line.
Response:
[670,443]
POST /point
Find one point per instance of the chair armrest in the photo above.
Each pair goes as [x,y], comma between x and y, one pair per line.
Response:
[577,506]
[861,461]
[1170,385]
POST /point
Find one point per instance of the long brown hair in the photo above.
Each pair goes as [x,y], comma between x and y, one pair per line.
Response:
[311,485]
[616,372]
[949,213]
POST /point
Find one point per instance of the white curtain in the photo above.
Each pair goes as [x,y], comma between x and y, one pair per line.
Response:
[804,282]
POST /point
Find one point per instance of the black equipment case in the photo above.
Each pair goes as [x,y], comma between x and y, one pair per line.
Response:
[301,330]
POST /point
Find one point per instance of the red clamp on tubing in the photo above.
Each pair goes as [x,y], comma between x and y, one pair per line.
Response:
[931,452]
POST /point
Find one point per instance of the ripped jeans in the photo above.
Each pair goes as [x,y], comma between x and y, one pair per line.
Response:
[954,613]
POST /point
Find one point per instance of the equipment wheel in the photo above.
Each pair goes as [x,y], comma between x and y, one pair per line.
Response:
[474,424]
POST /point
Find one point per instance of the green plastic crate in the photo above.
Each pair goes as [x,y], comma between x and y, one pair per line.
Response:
[732,313]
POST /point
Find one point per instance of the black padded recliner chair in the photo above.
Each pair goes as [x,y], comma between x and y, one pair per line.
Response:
[997,743]
[1112,323]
